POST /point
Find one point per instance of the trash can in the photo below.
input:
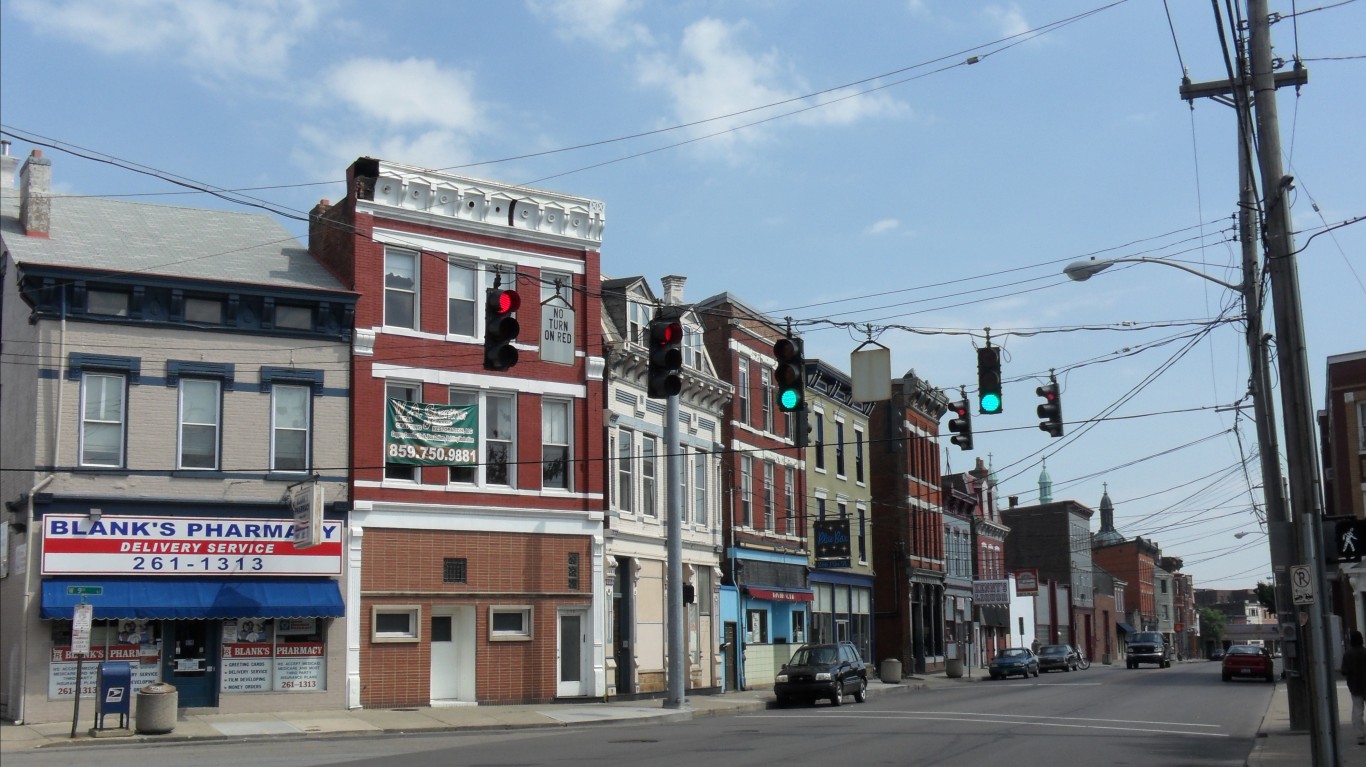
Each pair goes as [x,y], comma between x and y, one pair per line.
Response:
[953,667]
[114,681]
[158,706]
[891,671]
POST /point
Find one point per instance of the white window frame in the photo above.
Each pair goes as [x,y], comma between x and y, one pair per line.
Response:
[566,289]
[487,439]
[746,491]
[463,267]
[275,428]
[818,439]
[186,384]
[770,523]
[414,613]
[699,489]
[649,452]
[766,396]
[858,457]
[790,497]
[415,390]
[525,634]
[839,448]
[742,391]
[86,422]
[626,471]
[637,320]
[567,408]
[415,292]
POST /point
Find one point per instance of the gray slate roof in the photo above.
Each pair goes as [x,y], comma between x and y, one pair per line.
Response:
[192,243]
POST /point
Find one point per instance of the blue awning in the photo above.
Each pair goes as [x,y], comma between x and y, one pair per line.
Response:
[1124,628]
[197,598]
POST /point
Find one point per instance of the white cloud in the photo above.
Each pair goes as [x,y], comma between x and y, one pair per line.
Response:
[410,92]
[216,38]
[1009,20]
[601,22]
[882,227]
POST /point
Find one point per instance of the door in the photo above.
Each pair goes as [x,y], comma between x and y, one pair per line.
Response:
[572,654]
[452,666]
[730,655]
[191,664]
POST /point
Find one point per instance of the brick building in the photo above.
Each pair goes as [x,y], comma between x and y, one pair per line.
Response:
[1342,429]
[1054,538]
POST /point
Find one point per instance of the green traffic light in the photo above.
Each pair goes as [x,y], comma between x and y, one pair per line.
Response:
[789,399]
[991,403]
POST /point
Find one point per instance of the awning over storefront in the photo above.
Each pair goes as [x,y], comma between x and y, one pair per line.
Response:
[779,595]
[995,615]
[1124,628]
[195,598]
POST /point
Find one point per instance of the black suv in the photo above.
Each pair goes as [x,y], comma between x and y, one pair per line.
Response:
[819,671]
[1148,647]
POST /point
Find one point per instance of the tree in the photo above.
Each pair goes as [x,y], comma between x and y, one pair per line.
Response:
[1212,624]
[1266,594]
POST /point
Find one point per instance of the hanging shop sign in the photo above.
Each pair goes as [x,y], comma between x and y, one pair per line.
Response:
[991,592]
[1027,581]
[423,434]
[832,542]
[75,544]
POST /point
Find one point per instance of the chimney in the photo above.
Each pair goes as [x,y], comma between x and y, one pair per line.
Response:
[35,195]
[8,165]
[673,289]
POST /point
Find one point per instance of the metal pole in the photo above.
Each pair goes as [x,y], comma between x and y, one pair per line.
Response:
[1300,443]
[673,476]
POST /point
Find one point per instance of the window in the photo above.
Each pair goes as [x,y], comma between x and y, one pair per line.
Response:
[625,470]
[818,423]
[862,535]
[400,288]
[746,491]
[555,444]
[699,488]
[858,455]
[454,570]
[293,317]
[461,299]
[395,623]
[647,476]
[102,419]
[464,398]
[742,391]
[199,418]
[820,509]
[839,448]
[509,623]
[291,422]
[499,443]
[703,595]
[789,498]
[638,318]
[572,571]
[798,626]
[692,348]
[208,311]
[843,509]
[756,627]
[768,495]
[557,284]
[107,302]
[766,394]
[404,392]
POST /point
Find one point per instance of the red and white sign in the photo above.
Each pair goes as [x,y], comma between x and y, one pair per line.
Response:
[1027,582]
[778,595]
[74,544]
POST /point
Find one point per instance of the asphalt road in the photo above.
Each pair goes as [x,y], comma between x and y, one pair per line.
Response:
[1152,717]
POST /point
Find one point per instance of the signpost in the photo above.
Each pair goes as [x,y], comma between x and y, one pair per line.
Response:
[81,623]
[557,331]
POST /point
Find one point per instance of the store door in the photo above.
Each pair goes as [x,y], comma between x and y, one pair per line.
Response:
[573,653]
[192,662]
[452,673]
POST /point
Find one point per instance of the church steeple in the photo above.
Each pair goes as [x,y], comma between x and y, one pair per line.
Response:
[1045,485]
[1107,535]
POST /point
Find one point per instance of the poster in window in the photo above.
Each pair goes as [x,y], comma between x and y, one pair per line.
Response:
[423,434]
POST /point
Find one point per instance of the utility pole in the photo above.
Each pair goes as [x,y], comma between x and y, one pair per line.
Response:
[1281,533]
[1300,443]
[673,506]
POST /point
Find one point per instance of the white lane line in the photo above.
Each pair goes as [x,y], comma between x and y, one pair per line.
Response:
[1006,721]
[1063,718]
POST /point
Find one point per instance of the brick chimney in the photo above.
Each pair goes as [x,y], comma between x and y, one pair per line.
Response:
[35,195]
[673,289]
[8,165]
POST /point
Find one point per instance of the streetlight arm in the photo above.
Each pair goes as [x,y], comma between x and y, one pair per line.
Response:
[1083,270]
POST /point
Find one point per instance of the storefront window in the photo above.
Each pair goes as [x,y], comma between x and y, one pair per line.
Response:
[137,642]
[282,655]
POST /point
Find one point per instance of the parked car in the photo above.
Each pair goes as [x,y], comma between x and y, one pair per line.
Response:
[1057,657]
[1014,660]
[1245,660]
[1148,647]
[822,671]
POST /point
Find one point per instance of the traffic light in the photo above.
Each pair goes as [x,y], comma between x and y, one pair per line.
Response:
[1051,409]
[500,328]
[989,380]
[961,424]
[790,374]
[666,357]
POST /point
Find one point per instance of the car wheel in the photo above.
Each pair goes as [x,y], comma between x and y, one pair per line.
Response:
[1130,664]
[861,694]
[995,675]
[1067,667]
[1271,677]
[838,698]
[1036,673]
[1228,677]
[782,701]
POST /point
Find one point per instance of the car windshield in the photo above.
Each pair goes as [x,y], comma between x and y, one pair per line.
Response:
[1147,637]
[1015,652]
[808,656]
[1054,649]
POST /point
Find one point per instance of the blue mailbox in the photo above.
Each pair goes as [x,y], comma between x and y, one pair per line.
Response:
[115,682]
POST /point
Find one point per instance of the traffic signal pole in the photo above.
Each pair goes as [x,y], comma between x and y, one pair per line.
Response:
[673,507]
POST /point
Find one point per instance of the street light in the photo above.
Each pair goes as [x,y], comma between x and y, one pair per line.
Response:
[1082,271]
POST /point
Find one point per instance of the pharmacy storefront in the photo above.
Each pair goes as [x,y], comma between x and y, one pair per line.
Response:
[238,613]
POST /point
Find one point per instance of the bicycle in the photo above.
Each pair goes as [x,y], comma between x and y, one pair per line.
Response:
[1082,662]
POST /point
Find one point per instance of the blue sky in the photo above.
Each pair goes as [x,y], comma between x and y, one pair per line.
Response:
[838,163]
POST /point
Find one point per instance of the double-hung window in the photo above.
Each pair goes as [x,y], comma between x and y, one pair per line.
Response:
[746,491]
[500,444]
[839,448]
[766,395]
[200,415]
[555,444]
[699,488]
[462,298]
[789,498]
[404,392]
[400,288]
[819,438]
[291,428]
[103,415]
[466,398]
[858,455]
[625,471]
[647,476]
[769,500]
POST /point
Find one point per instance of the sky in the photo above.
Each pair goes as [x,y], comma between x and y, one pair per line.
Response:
[908,172]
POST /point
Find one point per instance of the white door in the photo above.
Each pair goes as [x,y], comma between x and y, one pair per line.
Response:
[572,653]
[452,672]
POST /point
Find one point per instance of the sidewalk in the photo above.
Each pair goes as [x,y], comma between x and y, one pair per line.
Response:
[1276,745]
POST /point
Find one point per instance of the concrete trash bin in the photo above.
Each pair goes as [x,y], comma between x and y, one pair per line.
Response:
[158,706]
[891,671]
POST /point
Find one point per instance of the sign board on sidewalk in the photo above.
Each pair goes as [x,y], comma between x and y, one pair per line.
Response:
[1301,585]
[80,628]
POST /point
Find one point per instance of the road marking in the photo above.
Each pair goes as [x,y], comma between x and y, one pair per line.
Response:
[1064,718]
[1022,723]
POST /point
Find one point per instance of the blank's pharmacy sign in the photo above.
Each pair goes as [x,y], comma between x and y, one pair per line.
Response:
[75,544]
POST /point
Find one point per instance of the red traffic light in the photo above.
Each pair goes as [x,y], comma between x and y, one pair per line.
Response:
[666,333]
[508,301]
